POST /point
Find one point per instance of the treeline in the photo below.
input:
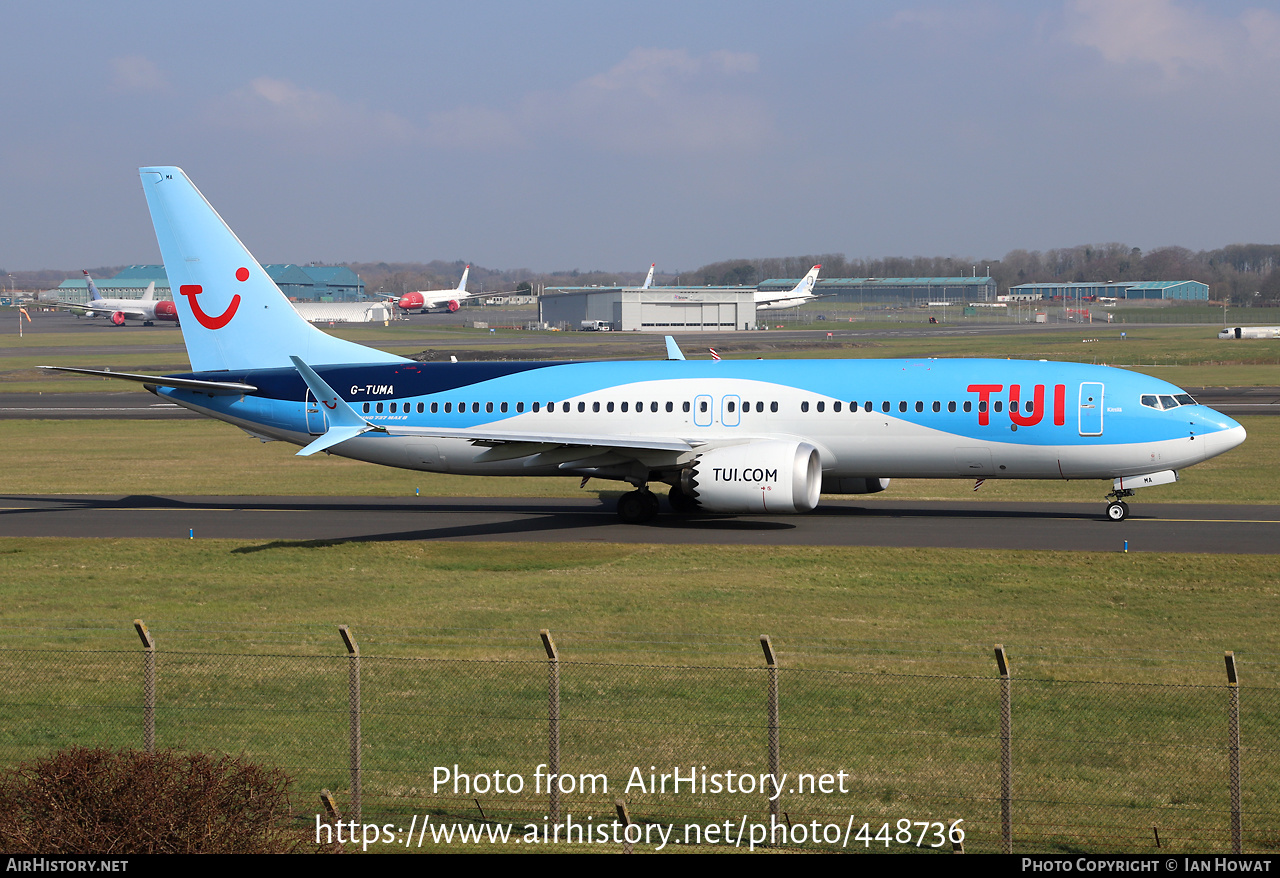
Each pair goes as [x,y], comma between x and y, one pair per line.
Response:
[1244,274]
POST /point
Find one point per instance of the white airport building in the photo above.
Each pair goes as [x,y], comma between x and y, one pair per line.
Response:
[656,309]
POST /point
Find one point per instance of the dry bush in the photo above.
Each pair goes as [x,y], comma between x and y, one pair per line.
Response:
[81,801]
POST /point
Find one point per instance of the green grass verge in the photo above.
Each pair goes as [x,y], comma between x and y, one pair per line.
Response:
[886,674]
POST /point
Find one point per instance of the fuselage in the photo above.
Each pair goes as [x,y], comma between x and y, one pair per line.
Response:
[145,310]
[781,304]
[929,418]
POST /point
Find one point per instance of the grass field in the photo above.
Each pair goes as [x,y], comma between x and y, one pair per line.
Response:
[886,655]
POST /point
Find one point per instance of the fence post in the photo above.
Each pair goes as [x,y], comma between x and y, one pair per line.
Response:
[148,686]
[1233,753]
[553,723]
[775,734]
[353,735]
[1006,752]
[624,818]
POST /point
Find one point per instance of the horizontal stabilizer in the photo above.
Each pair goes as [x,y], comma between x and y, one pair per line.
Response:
[213,387]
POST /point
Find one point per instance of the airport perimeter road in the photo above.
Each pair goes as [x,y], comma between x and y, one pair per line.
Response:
[1060,526]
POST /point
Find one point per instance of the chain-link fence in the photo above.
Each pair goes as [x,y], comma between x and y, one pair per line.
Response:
[1025,765]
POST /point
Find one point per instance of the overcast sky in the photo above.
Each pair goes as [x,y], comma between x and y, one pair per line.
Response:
[556,135]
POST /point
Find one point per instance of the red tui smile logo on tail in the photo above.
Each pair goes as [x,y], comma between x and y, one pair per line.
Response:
[192,292]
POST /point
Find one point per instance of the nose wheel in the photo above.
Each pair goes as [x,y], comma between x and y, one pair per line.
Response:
[1117,509]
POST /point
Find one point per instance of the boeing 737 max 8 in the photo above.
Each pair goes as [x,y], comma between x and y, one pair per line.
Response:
[727,436]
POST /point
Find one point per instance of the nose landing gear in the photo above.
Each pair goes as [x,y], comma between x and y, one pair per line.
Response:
[1117,509]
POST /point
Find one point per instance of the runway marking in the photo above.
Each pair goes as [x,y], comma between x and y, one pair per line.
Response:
[1213,520]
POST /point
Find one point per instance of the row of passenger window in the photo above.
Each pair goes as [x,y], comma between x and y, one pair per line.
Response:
[703,406]
[903,405]
[505,408]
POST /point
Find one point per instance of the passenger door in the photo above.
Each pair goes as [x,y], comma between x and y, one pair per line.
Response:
[1090,409]
[316,425]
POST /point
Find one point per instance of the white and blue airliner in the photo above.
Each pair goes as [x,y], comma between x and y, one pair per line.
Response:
[750,436]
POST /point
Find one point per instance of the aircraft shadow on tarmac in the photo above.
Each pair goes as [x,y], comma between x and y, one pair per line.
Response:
[368,520]
[550,506]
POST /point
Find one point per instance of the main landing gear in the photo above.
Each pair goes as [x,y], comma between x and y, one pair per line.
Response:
[1117,509]
[637,507]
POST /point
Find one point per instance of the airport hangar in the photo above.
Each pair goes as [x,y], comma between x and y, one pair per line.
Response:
[656,309]
[722,309]
[320,293]
[302,283]
[1128,291]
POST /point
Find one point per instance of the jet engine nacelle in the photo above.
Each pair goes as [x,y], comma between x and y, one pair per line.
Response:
[765,476]
[854,486]
[166,310]
[117,318]
[453,305]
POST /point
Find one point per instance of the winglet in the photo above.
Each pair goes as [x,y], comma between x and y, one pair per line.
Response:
[673,350]
[344,422]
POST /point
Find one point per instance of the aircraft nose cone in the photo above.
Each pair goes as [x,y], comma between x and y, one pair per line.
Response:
[1223,440]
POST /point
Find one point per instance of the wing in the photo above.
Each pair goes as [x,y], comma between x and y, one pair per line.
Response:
[560,448]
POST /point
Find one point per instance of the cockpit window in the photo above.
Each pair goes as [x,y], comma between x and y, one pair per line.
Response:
[1165,402]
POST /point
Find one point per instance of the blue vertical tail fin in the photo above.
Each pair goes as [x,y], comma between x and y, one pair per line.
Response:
[232,314]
